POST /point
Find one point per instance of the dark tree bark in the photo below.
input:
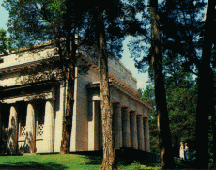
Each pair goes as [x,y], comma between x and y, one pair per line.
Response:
[108,161]
[213,120]
[0,123]
[67,122]
[204,102]
[70,81]
[214,125]
[167,159]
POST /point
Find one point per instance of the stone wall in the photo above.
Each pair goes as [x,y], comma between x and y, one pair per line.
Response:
[29,56]
[115,67]
[123,74]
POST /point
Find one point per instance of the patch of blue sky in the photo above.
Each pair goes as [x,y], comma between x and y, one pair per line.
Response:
[3,17]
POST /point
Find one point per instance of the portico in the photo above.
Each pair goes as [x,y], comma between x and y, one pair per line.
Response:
[31,124]
[130,126]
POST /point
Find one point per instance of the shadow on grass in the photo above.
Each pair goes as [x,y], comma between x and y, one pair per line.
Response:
[93,160]
[123,157]
[32,166]
[92,157]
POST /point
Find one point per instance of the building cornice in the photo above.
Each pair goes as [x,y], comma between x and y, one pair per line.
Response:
[88,61]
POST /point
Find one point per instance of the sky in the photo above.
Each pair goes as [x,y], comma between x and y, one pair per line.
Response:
[126,60]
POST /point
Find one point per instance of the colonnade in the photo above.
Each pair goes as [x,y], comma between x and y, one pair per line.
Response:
[131,129]
[30,138]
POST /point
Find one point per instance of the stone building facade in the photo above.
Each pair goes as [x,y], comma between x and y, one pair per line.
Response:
[32,113]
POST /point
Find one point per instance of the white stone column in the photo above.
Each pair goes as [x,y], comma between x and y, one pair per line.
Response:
[140,130]
[118,125]
[30,143]
[134,140]
[13,130]
[126,128]
[94,128]
[60,97]
[147,139]
[49,126]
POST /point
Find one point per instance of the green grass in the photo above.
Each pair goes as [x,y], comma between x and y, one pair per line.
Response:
[64,162]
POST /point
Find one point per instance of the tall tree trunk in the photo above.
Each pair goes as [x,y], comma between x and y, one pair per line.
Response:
[204,102]
[67,122]
[0,124]
[167,159]
[214,124]
[108,161]
[213,120]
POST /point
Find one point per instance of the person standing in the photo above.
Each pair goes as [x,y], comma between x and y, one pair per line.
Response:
[181,150]
[186,152]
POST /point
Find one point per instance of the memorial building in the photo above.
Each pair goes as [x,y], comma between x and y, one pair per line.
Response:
[32,111]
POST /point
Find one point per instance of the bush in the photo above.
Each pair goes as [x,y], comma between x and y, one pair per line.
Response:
[136,165]
[192,155]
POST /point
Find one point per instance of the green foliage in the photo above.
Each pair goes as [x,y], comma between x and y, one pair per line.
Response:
[136,166]
[58,6]
[5,43]
[181,25]
[32,22]
[154,135]
[181,104]
[148,94]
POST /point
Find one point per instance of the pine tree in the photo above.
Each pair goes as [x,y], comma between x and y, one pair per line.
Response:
[167,160]
[205,102]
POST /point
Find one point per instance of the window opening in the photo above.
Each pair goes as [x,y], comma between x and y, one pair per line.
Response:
[39,117]
[21,111]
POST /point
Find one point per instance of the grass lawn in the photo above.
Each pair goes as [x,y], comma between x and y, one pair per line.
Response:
[64,162]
